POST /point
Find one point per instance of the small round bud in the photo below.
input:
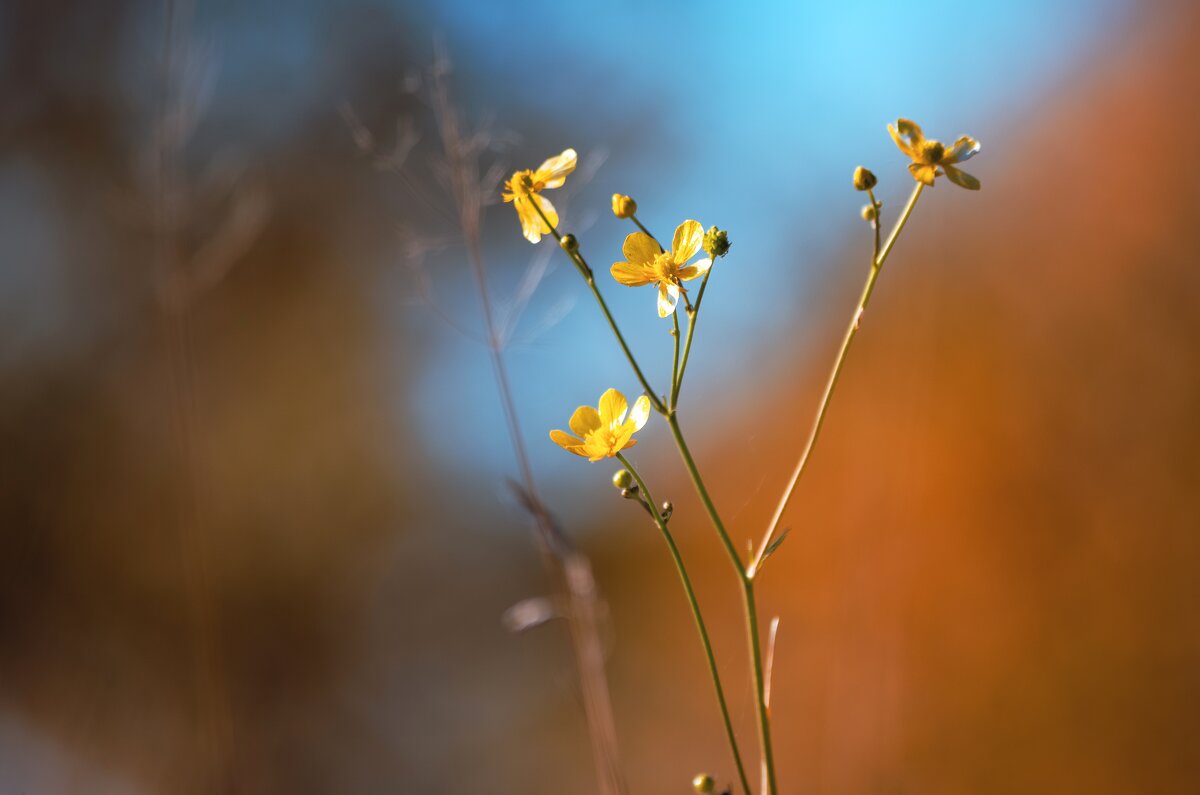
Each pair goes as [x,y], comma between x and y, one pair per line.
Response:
[629,494]
[623,206]
[863,179]
[704,784]
[716,242]
[667,509]
[569,244]
[623,479]
[869,213]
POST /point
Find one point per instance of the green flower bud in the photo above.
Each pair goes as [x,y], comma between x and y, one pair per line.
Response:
[869,213]
[569,244]
[623,206]
[716,242]
[622,479]
[863,179]
[704,784]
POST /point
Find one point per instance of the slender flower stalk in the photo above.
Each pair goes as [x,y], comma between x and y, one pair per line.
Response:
[877,260]
[747,588]
[696,615]
[582,266]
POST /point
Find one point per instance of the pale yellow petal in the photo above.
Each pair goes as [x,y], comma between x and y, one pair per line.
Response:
[632,275]
[568,442]
[961,178]
[668,296]
[612,408]
[639,247]
[697,268]
[532,224]
[553,173]
[689,236]
[639,413]
[584,421]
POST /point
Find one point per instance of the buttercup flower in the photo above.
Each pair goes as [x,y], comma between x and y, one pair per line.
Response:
[524,191]
[931,158]
[606,431]
[649,265]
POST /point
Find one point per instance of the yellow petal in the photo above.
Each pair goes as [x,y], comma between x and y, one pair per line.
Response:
[612,408]
[963,150]
[640,413]
[923,172]
[623,440]
[584,421]
[900,142]
[961,178]
[568,442]
[668,296]
[639,247]
[553,173]
[697,268]
[689,236]
[632,275]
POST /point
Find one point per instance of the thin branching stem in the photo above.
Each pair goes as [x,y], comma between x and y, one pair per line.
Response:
[581,264]
[693,316]
[696,615]
[877,260]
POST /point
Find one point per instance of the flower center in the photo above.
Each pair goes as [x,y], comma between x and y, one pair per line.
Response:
[664,267]
[931,152]
[522,183]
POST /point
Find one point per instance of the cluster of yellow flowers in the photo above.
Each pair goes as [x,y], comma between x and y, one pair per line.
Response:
[605,431]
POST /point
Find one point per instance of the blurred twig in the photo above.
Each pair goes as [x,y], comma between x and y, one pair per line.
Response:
[180,275]
[570,568]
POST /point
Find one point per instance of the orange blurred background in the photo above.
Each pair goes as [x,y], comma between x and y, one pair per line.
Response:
[256,535]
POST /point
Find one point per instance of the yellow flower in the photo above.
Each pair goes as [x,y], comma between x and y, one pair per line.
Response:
[605,432]
[647,264]
[931,158]
[524,191]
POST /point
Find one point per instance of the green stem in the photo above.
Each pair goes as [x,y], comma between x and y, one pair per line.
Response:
[697,616]
[880,256]
[693,316]
[747,587]
[674,357]
[586,272]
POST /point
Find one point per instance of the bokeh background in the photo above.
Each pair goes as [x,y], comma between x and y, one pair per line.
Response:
[255,532]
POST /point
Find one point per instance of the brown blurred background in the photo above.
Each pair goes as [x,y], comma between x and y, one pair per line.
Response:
[247,548]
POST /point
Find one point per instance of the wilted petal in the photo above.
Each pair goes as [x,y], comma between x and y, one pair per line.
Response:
[912,131]
[900,142]
[689,236]
[553,173]
[584,421]
[668,296]
[612,407]
[961,178]
[632,275]
[640,412]
[639,247]
[963,150]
